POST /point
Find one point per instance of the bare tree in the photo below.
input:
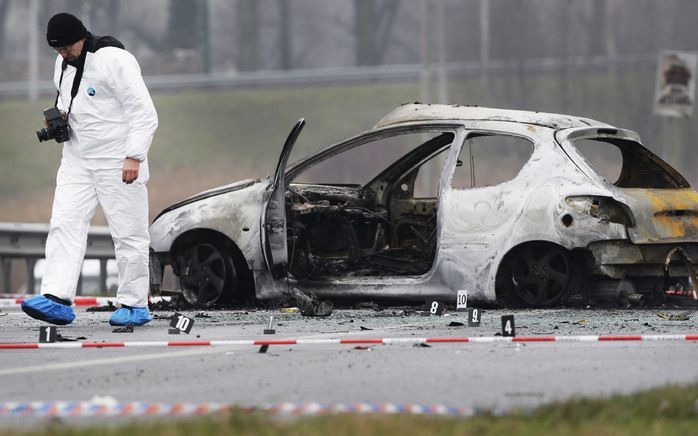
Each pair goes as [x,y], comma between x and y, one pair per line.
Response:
[182,25]
[285,41]
[373,20]
[4,4]
[248,31]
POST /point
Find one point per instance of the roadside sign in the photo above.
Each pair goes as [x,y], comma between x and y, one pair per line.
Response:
[675,90]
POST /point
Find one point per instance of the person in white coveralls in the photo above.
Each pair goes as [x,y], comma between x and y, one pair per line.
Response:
[111,120]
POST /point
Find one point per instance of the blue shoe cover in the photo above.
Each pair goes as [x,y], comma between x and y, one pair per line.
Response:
[130,316]
[44,309]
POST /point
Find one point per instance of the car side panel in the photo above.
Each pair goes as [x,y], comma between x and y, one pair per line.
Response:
[481,225]
[234,214]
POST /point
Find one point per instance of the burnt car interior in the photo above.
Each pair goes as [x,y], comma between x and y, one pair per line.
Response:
[627,164]
[368,211]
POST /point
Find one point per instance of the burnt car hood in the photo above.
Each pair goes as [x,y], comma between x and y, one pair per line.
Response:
[663,215]
[242,184]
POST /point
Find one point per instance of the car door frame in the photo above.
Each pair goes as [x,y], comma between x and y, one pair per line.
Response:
[273,217]
[401,286]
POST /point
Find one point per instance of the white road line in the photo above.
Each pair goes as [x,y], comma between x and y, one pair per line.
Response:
[108,361]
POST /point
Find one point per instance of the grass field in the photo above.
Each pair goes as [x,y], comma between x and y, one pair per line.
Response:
[666,411]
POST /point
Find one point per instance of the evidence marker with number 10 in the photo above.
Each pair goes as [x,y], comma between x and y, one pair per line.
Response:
[181,323]
[461,300]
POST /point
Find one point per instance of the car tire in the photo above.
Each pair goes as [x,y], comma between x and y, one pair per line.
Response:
[537,275]
[207,274]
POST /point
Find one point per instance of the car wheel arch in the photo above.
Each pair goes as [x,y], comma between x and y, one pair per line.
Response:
[246,287]
[578,271]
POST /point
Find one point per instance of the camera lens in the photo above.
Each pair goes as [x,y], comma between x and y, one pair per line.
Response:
[42,135]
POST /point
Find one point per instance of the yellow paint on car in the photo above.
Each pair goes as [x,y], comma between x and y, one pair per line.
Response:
[673,213]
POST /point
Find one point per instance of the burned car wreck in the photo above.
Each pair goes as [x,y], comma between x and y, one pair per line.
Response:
[522,208]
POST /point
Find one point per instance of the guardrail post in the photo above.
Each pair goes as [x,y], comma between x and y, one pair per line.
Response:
[6,273]
[103,276]
[31,280]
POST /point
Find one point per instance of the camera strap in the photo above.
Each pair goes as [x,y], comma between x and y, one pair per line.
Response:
[92,44]
[76,84]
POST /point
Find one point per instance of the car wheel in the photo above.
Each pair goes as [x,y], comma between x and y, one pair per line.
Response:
[207,274]
[541,274]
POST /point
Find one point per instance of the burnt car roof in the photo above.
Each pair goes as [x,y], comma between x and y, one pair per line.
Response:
[416,112]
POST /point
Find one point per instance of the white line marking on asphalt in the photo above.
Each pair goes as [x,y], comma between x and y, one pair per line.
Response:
[108,361]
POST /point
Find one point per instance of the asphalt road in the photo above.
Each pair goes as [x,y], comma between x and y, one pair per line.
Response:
[493,376]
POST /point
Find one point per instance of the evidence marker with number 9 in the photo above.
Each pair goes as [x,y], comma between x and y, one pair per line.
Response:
[474,317]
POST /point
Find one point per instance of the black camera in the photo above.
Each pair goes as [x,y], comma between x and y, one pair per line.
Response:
[57,126]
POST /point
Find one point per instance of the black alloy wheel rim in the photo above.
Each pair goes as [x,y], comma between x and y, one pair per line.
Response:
[541,274]
[205,274]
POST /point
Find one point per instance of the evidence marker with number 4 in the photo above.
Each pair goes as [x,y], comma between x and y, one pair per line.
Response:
[508,328]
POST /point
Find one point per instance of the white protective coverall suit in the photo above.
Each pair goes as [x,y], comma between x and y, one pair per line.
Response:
[112,117]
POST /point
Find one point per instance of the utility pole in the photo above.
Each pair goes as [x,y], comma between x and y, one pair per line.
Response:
[205,35]
[86,14]
[33,51]
[424,52]
[611,48]
[485,44]
[442,77]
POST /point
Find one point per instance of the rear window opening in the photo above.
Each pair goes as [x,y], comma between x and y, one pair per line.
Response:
[627,164]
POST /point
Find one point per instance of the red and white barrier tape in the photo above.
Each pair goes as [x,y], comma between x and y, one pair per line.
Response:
[78,301]
[65,409]
[351,341]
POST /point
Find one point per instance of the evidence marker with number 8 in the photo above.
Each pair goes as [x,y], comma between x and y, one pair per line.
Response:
[436,308]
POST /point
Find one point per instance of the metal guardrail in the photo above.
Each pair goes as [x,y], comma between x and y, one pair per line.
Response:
[28,240]
[352,74]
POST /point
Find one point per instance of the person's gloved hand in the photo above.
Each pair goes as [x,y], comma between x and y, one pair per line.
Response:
[130,170]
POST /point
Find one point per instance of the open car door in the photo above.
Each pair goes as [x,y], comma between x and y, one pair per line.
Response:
[273,226]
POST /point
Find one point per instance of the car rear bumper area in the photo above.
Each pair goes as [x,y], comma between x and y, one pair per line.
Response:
[650,267]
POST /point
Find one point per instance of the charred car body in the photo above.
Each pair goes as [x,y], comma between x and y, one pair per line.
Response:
[519,207]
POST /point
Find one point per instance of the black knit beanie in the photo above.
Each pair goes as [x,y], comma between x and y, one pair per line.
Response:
[64,29]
